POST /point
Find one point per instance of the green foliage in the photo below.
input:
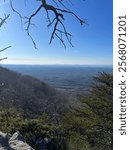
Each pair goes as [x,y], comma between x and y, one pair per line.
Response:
[92,122]
[88,127]
[12,121]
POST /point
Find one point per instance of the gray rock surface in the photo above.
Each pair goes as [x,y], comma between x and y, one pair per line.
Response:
[15,142]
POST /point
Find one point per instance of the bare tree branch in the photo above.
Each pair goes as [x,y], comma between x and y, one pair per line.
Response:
[29,23]
[20,16]
[5,48]
[3,58]
[57,22]
[82,22]
[2,51]
[3,20]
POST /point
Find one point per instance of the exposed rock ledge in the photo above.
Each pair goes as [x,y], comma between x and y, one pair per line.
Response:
[14,142]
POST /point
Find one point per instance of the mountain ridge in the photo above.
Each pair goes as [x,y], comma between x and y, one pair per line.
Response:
[30,95]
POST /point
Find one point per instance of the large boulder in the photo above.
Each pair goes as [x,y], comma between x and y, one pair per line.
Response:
[15,142]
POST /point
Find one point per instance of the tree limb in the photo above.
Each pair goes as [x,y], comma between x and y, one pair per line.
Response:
[59,29]
[5,48]
[3,20]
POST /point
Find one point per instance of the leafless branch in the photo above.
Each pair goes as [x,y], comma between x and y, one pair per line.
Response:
[29,23]
[57,22]
[5,48]
[3,58]
[14,10]
[82,22]
[61,3]
[3,20]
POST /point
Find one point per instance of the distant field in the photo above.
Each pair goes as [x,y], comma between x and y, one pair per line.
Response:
[73,79]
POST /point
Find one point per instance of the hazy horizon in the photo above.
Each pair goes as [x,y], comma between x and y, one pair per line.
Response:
[111,65]
[64,77]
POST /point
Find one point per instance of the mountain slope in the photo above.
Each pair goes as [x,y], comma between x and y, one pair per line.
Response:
[29,95]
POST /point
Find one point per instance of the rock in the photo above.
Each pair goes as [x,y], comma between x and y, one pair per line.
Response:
[17,136]
[19,145]
[15,142]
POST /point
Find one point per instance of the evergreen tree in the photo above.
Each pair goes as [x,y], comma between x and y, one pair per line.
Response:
[93,121]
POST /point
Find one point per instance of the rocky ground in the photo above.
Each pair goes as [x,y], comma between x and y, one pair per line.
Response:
[14,142]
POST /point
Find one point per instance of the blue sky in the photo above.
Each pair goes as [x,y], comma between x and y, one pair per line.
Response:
[92,42]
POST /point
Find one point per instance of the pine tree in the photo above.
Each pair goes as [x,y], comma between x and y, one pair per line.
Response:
[92,123]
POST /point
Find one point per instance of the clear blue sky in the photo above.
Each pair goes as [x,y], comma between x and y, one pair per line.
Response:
[92,43]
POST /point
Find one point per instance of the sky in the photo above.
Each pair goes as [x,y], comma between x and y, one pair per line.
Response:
[92,42]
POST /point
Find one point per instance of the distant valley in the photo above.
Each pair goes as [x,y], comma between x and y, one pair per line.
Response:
[73,79]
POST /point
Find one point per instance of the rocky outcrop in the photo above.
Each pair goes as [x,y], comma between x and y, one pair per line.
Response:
[14,142]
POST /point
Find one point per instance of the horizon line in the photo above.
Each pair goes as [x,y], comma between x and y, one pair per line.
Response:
[62,64]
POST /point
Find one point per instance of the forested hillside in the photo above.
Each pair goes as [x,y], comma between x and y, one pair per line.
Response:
[84,127]
[29,95]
